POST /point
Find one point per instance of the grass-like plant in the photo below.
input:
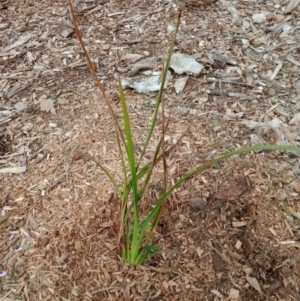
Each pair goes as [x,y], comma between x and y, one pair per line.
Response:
[135,232]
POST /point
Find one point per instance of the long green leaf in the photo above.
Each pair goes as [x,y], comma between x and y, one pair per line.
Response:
[149,171]
[108,174]
[132,164]
[198,170]
[161,91]
[124,197]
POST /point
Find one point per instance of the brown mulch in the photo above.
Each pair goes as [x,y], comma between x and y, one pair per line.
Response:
[241,242]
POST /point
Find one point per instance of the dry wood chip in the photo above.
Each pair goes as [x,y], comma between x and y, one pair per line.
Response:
[234,294]
[3,218]
[238,224]
[238,244]
[223,59]
[198,3]
[47,105]
[126,291]
[15,169]
[16,89]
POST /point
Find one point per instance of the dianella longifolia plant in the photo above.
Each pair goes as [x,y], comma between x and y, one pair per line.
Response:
[135,232]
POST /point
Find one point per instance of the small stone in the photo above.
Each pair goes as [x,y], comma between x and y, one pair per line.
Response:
[197,202]
[77,155]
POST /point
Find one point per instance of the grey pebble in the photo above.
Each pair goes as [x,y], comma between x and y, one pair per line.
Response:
[197,202]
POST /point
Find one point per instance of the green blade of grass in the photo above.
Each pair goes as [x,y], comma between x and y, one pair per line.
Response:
[149,171]
[161,208]
[108,174]
[124,198]
[198,170]
[161,91]
[132,164]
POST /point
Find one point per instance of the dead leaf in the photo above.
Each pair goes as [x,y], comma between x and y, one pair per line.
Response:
[273,288]
[47,105]
[218,294]
[234,190]
[3,218]
[218,264]
[254,283]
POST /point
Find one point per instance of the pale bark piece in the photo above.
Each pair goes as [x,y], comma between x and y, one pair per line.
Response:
[291,6]
[181,64]
[272,124]
[150,84]
[145,64]
[22,40]
[15,169]
[20,106]
[260,17]
[239,224]
[234,190]
[131,57]
[47,105]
